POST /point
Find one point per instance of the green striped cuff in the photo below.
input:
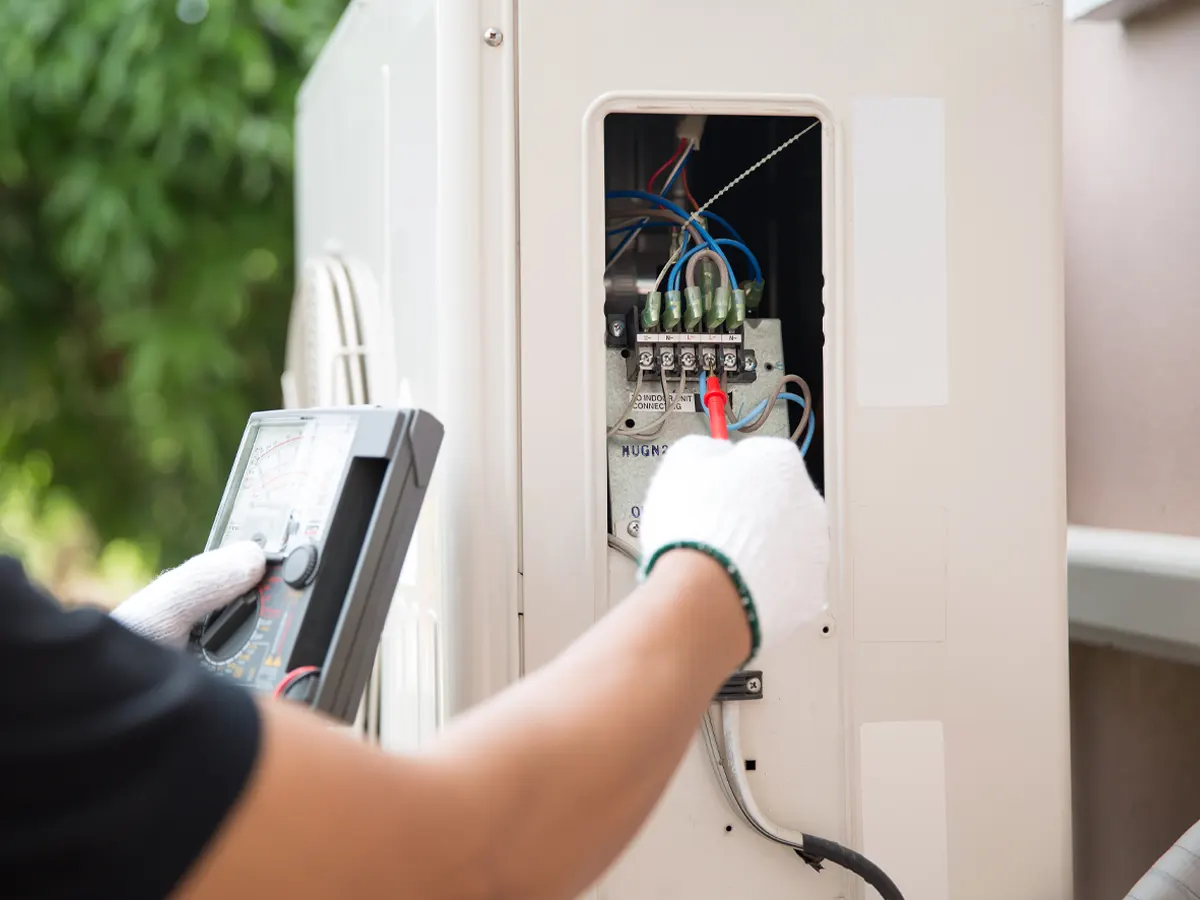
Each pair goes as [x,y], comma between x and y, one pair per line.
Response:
[726,563]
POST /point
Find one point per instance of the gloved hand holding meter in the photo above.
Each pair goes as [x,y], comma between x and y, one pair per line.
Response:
[304,556]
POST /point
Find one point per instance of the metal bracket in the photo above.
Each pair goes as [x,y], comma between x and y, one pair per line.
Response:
[741,686]
[619,328]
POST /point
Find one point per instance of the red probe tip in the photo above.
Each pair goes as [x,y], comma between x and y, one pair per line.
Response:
[714,402]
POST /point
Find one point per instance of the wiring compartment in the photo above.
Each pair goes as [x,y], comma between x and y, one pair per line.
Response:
[713,227]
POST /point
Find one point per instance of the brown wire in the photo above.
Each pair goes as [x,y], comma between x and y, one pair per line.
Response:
[766,414]
[807,408]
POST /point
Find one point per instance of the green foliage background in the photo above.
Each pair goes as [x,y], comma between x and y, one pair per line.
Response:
[145,247]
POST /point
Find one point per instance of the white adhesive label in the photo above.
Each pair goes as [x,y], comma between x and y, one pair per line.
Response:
[903,782]
[649,401]
[686,337]
[899,255]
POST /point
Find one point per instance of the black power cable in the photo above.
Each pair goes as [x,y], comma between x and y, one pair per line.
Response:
[818,850]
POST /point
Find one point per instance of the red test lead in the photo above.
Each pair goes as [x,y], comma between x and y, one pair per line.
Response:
[714,402]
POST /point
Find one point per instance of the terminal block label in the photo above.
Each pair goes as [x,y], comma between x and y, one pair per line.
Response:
[654,401]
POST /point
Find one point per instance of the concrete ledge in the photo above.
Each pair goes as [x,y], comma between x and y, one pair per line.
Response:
[1106,10]
[1135,590]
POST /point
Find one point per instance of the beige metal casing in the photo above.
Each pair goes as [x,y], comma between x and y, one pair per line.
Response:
[393,178]
[949,652]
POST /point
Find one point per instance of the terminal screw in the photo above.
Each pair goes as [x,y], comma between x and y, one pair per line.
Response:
[730,359]
[646,359]
[688,359]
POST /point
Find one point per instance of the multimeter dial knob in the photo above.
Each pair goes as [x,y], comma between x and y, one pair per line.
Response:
[227,631]
[300,566]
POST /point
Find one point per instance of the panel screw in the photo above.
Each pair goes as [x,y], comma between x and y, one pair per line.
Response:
[753,685]
[749,364]
[493,37]
[634,528]
[616,328]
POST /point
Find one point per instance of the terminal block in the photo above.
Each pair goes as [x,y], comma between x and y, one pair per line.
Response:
[654,352]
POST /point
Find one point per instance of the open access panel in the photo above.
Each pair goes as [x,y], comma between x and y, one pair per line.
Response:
[333,497]
[714,257]
[733,289]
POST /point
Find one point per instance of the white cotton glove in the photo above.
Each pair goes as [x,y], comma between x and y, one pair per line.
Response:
[166,609]
[751,506]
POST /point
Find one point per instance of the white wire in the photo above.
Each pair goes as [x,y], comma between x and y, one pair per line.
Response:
[683,158]
[734,764]
[624,549]
[637,389]
[667,268]
[651,430]
[723,191]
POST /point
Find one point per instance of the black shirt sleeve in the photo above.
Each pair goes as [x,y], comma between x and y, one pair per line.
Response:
[119,759]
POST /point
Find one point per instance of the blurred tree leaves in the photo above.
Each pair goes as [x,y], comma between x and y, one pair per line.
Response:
[145,244]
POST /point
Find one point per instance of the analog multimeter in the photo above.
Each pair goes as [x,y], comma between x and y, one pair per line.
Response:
[332,496]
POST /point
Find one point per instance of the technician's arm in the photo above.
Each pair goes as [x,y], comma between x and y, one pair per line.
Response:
[532,796]
[537,792]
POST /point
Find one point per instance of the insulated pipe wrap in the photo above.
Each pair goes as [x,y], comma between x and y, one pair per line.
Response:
[1176,875]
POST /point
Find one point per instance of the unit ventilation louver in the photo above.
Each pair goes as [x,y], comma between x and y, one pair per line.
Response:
[327,355]
[328,364]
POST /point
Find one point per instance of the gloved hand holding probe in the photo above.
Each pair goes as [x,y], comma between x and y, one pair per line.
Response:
[753,508]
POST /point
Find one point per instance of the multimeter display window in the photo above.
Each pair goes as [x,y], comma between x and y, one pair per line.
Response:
[289,482]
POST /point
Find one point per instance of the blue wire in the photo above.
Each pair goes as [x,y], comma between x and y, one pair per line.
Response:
[749,417]
[736,242]
[678,169]
[738,245]
[812,422]
[677,269]
[621,246]
[645,223]
[740,423]
[678,210]
[720,221]
[757,411]
[637,227]
[706,214]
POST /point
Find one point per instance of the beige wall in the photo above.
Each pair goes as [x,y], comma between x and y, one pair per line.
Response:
[1132,192]
[1132,181]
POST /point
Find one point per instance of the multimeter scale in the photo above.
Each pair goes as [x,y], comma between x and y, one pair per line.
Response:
[332,496]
